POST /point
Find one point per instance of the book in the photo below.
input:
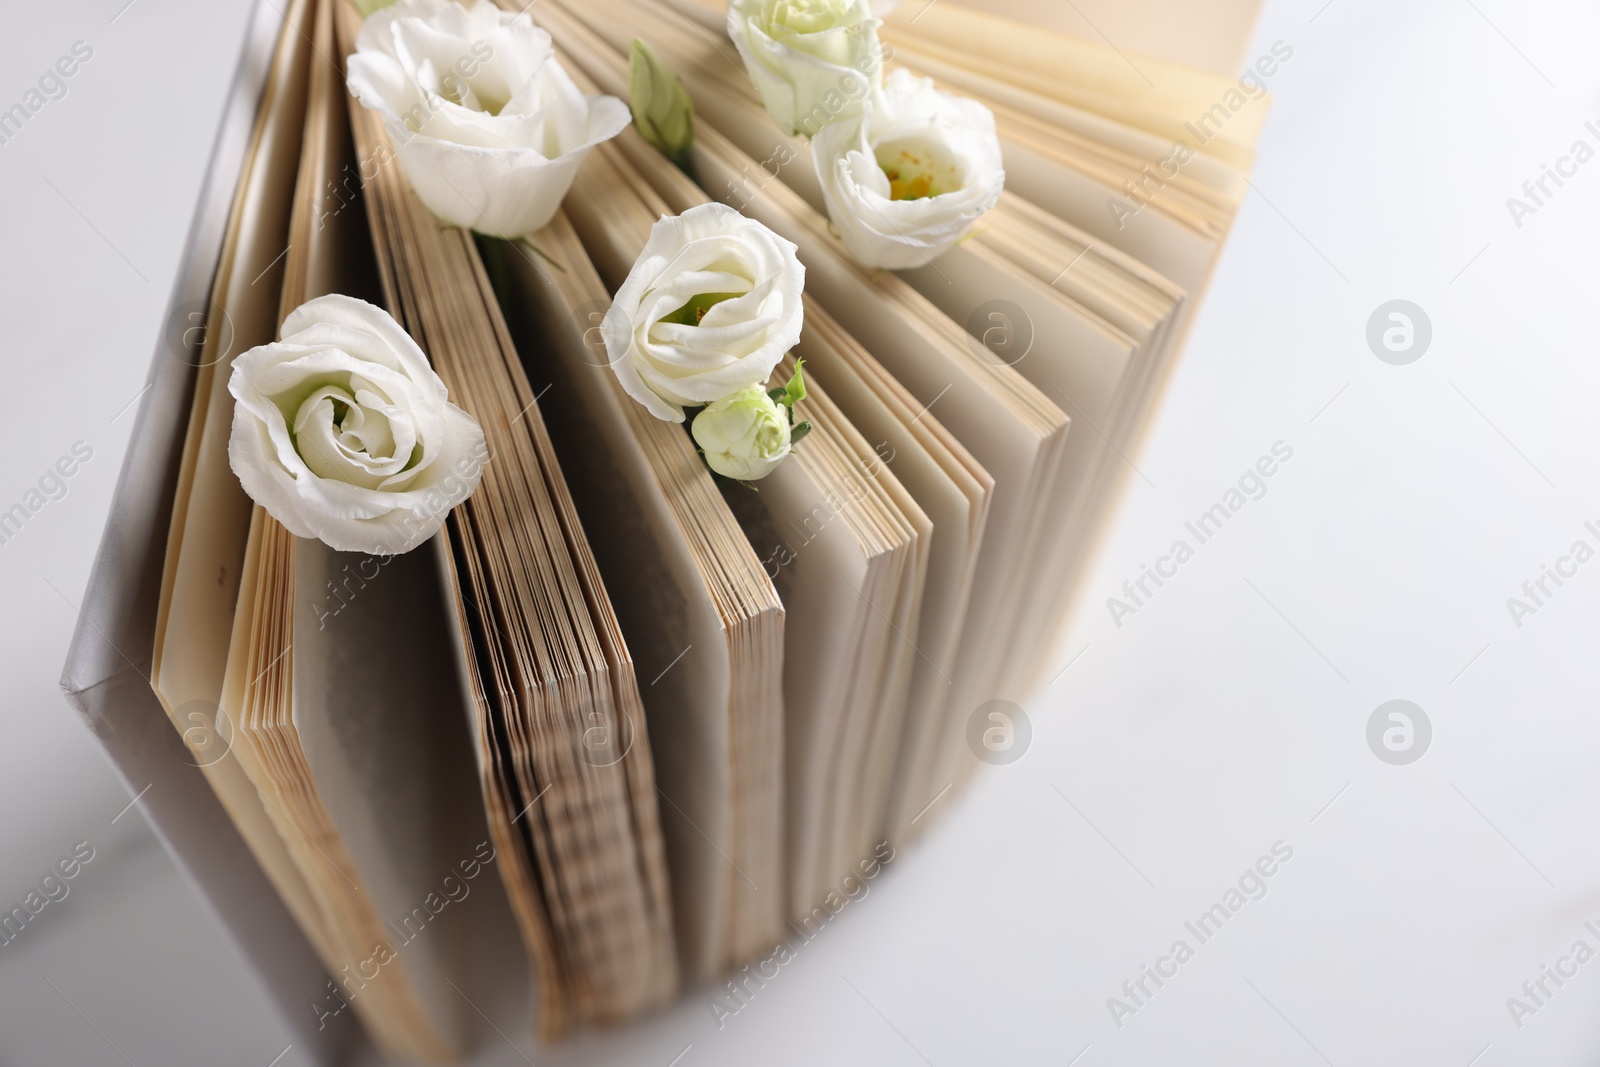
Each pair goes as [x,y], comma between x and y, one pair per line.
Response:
[646,714]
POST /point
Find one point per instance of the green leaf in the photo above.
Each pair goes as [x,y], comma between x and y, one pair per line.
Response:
[799,432]
[662,110]
[367,7]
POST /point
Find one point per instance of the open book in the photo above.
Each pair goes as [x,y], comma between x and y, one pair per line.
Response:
[644,716]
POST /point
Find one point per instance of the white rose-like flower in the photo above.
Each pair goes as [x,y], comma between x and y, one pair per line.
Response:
[814,61]
[910,178]
[744,436]
[487,124]
[343,432]
[710,307]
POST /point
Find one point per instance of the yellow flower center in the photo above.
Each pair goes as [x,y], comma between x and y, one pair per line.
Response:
[916,173]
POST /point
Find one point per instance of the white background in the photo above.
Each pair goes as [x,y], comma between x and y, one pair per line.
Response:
[1229,714]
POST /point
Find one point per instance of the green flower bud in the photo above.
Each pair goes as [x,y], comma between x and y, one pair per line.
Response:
[662,110]
[744,436]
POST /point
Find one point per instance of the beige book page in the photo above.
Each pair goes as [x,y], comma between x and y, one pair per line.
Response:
[1059,126]
[211,329]
[265,665]
[498,977]
[1144,91]
[679,640]
[1014,319]
[206,545]
[1149,235]
[1211,35]
[1175,193]
[904,523]
[249,811]
[205,560]
[956,503]
[615,210]
[504,805]
[795,518]
[862,493]
[382,729]
[1075,357]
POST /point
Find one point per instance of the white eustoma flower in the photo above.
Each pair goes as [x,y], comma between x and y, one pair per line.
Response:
[710,308]
[814,61]
[343,432]
[744,436]
[908,180]
[488,126]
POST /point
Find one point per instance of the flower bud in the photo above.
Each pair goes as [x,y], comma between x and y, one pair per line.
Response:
[744,436]
[662,110]
[815,62]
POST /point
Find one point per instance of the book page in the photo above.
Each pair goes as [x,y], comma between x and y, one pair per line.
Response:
[383,731]
[684,647]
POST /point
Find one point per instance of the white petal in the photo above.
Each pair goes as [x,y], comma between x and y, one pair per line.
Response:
[385,478]
[710,248]
[888,234]
[487,125]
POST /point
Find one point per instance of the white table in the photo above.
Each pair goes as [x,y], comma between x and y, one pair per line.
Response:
[1228,714]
